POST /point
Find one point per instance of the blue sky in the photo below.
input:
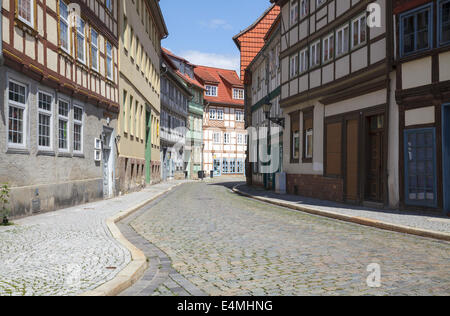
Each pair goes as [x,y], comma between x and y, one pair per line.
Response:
[202,30]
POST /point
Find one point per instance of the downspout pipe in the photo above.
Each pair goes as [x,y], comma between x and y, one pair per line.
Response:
[1,33]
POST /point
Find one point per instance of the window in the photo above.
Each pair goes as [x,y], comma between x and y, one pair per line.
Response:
[308,134]
[294,12]
[94,50]
[320,2]
[25,11]
[109,61]
[420,167]
[240,139]
[304,8]
[45,104]
[342,40]
[227,138]
[109,5]
[212,114]
[63,125]
[304,60]
[232,166]
[314,53]
[225,169]
[238,94]
[295,137]
[64,26]
[444,22]
[17,114]
[81,41]
[216,138]
[211,91]
[294,67]
[239,116]
[77,129]
[240,166]
[220,115]
[359,28]
[328,48]
[416,31]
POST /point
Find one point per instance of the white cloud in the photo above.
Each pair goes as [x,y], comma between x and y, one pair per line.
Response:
[216,24]
[212,60]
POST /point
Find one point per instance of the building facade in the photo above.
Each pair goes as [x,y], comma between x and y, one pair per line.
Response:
[174,115]
[342,135]
[224,134]
[263,88]
[58,118]
[423,94]
[142,27]
[194,123]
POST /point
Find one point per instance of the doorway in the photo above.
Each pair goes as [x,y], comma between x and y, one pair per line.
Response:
[374,184]
[217,168]
[352,161]
[108,162]
[446,156]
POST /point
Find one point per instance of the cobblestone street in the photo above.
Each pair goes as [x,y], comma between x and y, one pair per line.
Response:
[66,252]
[226,244]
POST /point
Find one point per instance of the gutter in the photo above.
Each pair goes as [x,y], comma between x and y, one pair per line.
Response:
[1,33]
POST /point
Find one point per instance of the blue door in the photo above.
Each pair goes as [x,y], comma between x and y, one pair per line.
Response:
[446,155]
[217,168]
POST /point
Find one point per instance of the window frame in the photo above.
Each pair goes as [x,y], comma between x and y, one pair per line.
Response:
[109,62]
[304,13]
[238,94]
[440,24]
[209,89]
[217,137]
[316,44]
[293,19]
[93,30]
[415,12]
[293,65]
[360,43]
[81,124]
[408,201]
[49,114]
[345,48]
[227,138]
[239,116]
[67,120]
[82,34]
[66,22]
[30,23]
[330,39]
[24,108]
[213,114]
[220,115]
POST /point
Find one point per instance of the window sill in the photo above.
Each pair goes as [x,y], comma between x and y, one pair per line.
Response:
[46,153]
[79,155]
[64,155]
[17,151]
[307,160]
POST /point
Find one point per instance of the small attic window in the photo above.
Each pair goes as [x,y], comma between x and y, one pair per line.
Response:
[211,91]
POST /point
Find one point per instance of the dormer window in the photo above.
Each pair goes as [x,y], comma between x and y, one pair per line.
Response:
[211,91]
[238,94]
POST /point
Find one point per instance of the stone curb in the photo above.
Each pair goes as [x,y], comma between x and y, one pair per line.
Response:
[352,219]
[138,265]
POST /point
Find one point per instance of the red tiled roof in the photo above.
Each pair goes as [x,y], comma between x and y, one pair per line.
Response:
[168,52]
[225,80]
[190,80]
[251,40]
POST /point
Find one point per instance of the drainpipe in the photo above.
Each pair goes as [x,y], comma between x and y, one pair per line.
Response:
[1,34]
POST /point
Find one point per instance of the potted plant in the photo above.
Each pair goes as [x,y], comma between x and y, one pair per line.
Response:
[4,200]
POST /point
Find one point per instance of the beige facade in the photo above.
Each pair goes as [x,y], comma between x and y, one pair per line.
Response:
[141,30]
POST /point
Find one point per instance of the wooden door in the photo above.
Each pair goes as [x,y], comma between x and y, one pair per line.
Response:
[446,156]
[374,169]
[351,181]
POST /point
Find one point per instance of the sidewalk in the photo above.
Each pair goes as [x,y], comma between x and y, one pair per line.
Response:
[416,223]
[67,252]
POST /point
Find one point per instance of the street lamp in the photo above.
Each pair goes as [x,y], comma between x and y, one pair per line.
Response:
[267,106]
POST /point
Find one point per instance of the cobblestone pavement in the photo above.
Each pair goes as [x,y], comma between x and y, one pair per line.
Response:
[226,244]
[160,278]
[66,252]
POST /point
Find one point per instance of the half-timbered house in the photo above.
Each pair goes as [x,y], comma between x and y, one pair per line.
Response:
[59,92]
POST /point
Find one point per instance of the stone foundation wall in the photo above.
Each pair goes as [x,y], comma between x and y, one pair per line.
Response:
[132,174]
[318,187]
[32,200]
